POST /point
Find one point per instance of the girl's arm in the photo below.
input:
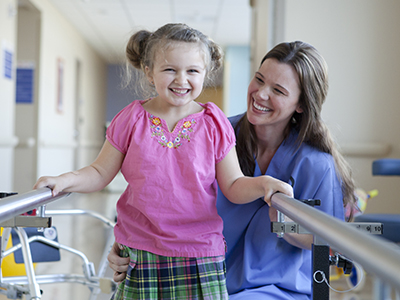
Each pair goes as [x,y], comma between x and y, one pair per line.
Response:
[89,179]
[242,189]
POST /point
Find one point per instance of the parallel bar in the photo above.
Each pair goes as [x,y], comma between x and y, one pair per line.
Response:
[15,205]
[375,254]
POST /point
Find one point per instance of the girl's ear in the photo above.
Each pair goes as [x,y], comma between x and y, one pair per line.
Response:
[148,75]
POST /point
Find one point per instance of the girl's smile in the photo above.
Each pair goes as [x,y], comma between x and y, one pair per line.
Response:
[178,74]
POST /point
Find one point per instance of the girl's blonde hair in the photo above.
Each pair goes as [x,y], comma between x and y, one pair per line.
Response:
[144,45]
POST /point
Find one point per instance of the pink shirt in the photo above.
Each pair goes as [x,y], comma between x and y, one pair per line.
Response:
[169,206]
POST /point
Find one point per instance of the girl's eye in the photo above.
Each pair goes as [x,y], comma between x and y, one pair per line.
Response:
[193,71]
[279,91]
[169,70]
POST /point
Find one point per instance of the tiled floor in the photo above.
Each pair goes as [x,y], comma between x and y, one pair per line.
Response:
[89,236]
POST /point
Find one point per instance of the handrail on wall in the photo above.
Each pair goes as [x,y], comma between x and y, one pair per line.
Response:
[375,254]
[13,206]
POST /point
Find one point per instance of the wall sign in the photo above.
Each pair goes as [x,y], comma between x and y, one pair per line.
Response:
[7,59]
[24,83]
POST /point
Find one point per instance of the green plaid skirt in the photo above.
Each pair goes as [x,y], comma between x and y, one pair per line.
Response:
[152,276]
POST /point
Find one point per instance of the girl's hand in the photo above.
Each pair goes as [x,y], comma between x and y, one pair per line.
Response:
[273,185]
[55,183]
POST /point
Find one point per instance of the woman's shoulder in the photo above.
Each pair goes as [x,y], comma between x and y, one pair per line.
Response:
[310,156]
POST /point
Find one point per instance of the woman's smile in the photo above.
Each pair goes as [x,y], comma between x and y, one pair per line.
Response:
[260,108]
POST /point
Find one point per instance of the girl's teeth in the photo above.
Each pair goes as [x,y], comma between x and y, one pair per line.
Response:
[180,91]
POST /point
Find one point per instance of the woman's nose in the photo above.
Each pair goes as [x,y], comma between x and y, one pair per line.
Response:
[263,93]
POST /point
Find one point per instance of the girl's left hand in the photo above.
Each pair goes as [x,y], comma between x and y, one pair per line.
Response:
[273,186]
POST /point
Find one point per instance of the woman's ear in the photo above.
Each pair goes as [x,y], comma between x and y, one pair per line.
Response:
[299,110]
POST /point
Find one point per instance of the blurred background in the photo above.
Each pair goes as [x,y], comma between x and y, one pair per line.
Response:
[62,64]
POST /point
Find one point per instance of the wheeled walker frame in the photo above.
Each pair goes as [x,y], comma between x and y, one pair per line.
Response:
[15,287]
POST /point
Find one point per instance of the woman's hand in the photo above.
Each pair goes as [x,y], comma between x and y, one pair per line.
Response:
[117,263]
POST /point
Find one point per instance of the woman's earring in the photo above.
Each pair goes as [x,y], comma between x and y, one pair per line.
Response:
[294,121]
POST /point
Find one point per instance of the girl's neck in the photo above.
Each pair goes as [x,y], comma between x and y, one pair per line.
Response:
[169,113]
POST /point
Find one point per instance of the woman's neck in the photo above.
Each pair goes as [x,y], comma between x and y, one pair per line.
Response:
[269,140]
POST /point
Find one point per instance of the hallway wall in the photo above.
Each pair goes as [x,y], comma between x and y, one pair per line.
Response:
[57,134]
[360,41]
[8,140]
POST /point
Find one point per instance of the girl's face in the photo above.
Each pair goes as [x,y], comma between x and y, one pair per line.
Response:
[178,73]
[273,95]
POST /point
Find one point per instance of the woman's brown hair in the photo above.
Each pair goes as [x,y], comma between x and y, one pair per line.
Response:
[312,71]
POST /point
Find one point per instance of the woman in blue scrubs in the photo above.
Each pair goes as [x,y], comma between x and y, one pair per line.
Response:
[281,135]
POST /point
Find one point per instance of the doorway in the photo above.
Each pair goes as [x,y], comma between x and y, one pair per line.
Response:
[26,109]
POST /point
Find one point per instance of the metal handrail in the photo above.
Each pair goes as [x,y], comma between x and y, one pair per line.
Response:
[13,206]
[375,254]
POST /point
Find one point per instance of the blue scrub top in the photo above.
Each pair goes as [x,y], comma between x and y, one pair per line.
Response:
[259,264]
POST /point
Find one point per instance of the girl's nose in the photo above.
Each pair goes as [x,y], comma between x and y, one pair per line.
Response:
[180,78]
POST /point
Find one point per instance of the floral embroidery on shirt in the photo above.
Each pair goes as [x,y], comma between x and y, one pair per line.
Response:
[176,142]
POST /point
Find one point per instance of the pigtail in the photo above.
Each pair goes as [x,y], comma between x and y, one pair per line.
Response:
[216,61]
[136,57]
[136,47]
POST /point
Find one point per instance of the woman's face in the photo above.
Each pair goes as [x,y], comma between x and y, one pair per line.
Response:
[273,95]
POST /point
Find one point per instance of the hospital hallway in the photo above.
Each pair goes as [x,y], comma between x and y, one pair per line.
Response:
[89,236]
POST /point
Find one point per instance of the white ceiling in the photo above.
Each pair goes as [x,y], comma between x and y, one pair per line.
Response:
[108,24]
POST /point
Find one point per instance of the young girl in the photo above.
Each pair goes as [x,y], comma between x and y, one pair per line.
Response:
[171,150]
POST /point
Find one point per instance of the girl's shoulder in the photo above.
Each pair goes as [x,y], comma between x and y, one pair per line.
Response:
[130,112]
[214,115]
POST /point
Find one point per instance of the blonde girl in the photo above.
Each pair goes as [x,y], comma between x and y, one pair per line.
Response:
[171,151]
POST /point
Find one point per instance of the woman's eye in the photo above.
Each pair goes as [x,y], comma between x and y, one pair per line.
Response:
[279,91]
[259,79]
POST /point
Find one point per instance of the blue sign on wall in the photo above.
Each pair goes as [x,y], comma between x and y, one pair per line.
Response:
[24,85]
[7,64]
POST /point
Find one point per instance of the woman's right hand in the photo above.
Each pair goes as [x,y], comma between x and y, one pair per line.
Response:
[117,263]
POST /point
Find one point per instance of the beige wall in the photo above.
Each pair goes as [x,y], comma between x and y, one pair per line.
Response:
[7,94]
[360,41]
[56,139]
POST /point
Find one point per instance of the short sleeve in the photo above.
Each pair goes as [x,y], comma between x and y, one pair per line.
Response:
[120,129]
[320,183]
[223,133]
